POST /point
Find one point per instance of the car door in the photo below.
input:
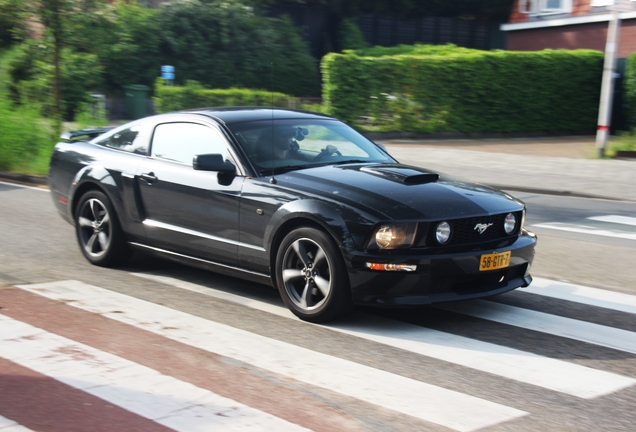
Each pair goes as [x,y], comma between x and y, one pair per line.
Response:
[185,210]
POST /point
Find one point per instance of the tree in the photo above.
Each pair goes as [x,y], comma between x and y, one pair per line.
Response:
[225,44]
[489,10]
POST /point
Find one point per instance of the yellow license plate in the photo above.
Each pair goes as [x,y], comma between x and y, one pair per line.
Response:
[494,261]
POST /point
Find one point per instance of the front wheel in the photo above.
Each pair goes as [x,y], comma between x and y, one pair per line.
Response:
[99,235]
[311,276]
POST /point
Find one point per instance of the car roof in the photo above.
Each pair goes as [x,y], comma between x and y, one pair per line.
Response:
[232,115]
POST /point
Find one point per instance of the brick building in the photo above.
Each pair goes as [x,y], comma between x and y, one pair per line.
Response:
[569,24]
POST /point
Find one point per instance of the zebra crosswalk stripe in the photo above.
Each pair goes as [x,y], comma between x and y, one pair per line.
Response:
[420,400]
[552,374]
[623,220]
[584,295]
[7,425]
[584,229]
[583,331]
[166,400]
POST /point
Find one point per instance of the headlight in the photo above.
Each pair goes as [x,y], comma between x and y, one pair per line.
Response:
[393,236]
[443,232]
[510,223]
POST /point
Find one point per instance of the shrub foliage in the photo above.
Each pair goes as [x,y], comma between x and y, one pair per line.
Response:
[629,88]
[463,90]
[193,95]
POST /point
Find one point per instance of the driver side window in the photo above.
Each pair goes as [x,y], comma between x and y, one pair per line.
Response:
[180,142]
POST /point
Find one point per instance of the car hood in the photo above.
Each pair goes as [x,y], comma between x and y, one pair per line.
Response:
[400,192]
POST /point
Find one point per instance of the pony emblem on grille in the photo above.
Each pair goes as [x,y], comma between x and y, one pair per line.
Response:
[482,227]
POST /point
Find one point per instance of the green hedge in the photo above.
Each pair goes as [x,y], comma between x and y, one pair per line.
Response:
[629,88]
[463,90]
[193,95]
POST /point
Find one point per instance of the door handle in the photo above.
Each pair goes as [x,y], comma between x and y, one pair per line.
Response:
[149,177]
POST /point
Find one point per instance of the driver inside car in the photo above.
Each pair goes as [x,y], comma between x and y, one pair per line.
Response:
[286,145]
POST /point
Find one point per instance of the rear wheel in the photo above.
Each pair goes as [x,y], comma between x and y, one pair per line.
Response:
[99,234]
[311,276]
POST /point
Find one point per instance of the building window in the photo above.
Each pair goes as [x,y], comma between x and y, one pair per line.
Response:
[539,7]
[599,3]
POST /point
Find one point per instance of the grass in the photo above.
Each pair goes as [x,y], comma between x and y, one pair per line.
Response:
[626,141]
[26,141]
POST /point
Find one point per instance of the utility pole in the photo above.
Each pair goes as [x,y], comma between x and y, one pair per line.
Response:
[607,85]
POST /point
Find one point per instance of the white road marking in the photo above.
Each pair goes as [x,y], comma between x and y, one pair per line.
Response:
[510,363]
[25,187]
[584,229]
[136,388]
[623,220]
[581,294]
[415,398]
[7,425]
[596,334]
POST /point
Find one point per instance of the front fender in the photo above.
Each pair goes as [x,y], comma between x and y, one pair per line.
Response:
[317,211]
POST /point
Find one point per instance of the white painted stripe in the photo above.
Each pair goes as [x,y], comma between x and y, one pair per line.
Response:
[584,229]
[415,398]
[596,334]
[581,294]
[510,363]
[623,220]
[7,425]
[136,388]
[25,187]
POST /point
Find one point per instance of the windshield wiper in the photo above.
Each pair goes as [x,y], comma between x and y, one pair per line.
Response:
[350,161]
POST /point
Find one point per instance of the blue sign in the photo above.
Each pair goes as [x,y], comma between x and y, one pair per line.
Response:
[167,72]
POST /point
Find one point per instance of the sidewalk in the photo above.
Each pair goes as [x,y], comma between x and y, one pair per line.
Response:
[563,166]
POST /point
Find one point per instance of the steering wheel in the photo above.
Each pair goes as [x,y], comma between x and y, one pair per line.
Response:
[327,152]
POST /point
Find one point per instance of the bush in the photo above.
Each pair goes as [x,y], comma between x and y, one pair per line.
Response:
[32,77]
[463,90]
[629,86]
[25,141]
[224,44]
[193,95]
[351,38]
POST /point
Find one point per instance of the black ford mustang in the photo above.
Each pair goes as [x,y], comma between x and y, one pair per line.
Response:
[297,200]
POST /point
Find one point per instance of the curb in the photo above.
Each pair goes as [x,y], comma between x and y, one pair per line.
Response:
[24,178]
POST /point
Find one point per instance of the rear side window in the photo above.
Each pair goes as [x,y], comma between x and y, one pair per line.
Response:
[131,140]
[180,142]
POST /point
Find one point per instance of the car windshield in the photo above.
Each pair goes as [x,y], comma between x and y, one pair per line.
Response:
[286,145]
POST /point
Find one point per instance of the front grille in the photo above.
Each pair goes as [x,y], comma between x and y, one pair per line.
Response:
[463,231]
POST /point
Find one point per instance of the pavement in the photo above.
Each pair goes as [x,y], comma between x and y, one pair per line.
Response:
[557,165]
[565,166]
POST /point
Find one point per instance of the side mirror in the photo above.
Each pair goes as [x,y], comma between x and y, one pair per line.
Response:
[213,162]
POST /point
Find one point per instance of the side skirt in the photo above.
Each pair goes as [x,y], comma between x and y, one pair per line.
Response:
[204,264]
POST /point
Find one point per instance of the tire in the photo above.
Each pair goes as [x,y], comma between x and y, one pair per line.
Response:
[99,234]
[311,276]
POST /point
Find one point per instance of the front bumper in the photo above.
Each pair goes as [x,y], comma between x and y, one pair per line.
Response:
[440,277]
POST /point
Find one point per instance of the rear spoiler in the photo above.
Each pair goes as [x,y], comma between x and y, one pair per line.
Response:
[88,133]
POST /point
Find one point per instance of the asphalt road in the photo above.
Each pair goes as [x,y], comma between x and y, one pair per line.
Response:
[526,360]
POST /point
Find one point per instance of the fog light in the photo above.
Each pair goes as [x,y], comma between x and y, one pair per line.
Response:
[391,267]
[443,232]
[510,223]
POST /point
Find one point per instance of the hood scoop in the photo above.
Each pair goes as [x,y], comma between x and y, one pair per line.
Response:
[402,174]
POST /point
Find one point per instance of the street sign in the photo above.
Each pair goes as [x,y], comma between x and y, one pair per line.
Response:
[167,72]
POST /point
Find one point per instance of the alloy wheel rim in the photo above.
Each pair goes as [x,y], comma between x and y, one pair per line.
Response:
[306,274]
[95,227]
